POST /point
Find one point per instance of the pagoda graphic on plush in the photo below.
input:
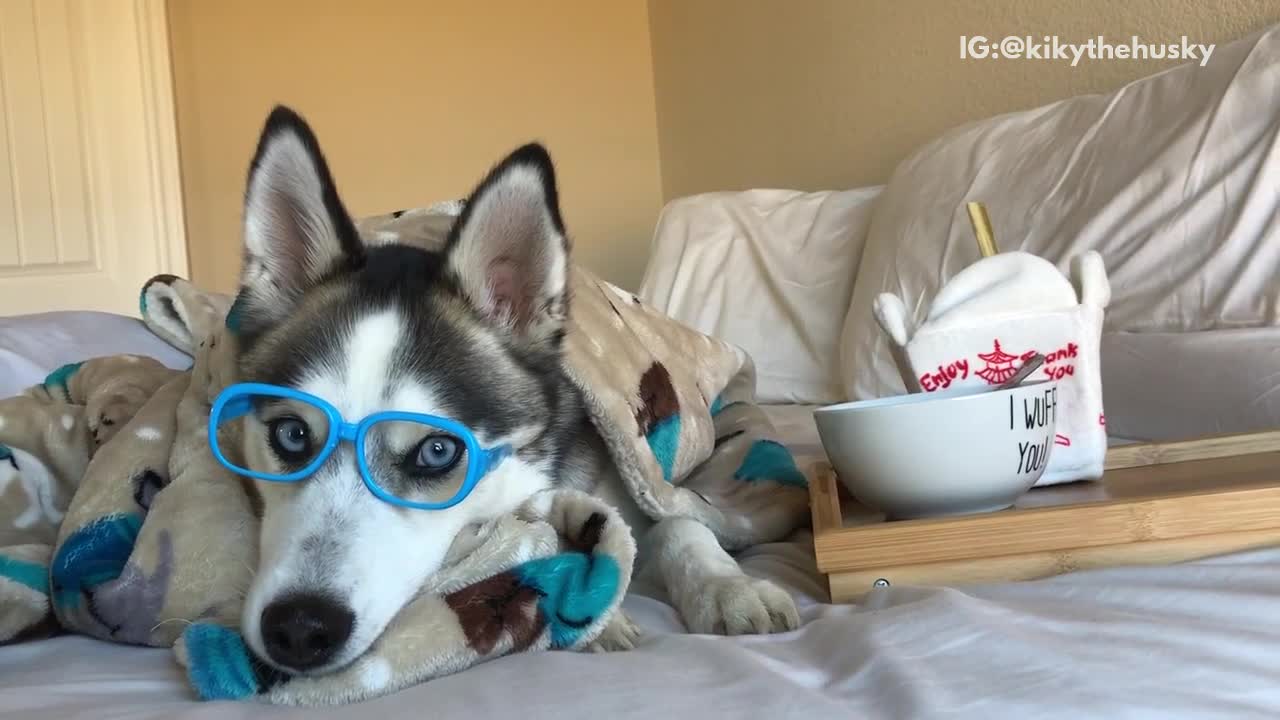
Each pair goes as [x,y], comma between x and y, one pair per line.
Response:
[1000,365]
[995,315]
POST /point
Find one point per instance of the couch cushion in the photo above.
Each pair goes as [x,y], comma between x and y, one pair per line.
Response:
[1170,386]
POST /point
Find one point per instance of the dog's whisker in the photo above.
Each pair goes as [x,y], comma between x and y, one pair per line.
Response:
[162,623]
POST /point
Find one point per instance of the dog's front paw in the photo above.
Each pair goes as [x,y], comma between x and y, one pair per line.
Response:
[739,605]
[620,634]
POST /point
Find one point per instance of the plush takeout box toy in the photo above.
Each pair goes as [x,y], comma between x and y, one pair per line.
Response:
[999,312]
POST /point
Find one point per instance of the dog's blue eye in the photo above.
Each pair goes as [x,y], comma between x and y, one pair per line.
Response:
[438,453]
[290,439]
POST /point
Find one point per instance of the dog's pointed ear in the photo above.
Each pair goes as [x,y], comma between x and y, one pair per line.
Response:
[296,230]
[509,253]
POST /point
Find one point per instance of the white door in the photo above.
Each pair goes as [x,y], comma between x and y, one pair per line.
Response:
[90,196]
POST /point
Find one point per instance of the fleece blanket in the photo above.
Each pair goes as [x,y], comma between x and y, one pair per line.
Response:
[117,522]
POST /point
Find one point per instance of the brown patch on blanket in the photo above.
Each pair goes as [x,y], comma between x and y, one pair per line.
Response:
[496,605]
[589,535]
[658,398]
[46,627]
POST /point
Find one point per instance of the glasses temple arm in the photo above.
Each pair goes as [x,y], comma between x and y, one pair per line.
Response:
[234,409]
[491,457]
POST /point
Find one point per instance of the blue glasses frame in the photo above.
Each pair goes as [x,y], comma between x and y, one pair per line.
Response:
[235,401]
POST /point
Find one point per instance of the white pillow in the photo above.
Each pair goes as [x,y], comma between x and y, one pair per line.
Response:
[768,270]
[1173,179]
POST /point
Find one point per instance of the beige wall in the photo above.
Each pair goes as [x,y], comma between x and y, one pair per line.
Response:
[413,101]
[639,103]
[817,94]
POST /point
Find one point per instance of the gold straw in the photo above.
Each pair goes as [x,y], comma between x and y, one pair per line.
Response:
[982,229]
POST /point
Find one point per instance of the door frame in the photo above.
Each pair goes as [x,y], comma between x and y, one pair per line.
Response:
[162,133]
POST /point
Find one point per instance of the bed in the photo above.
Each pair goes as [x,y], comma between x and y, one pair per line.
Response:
[788,275]
[1187,641]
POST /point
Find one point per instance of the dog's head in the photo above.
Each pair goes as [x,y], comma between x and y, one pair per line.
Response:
[470,333]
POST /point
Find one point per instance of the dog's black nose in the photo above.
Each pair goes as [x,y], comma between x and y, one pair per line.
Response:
[305,631]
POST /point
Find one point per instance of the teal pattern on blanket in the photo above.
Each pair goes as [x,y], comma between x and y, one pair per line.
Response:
[29,574]
[92,555]
[769,460]
[235,313]
[574,590]
[218,663]
[6,455]
[717,405]
[664,441]
[61,376]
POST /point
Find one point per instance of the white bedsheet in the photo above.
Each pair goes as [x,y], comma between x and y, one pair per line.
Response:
[32,345]
[1192,641]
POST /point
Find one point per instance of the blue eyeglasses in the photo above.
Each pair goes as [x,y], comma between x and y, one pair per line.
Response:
[429,455]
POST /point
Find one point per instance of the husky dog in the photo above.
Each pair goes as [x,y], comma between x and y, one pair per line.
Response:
[472,333]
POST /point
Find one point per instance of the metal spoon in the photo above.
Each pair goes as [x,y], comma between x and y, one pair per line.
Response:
[1028,367]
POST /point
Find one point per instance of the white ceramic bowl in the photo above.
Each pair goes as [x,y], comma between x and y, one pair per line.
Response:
[966,450]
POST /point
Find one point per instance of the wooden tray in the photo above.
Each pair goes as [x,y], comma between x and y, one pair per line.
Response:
[1157,503]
